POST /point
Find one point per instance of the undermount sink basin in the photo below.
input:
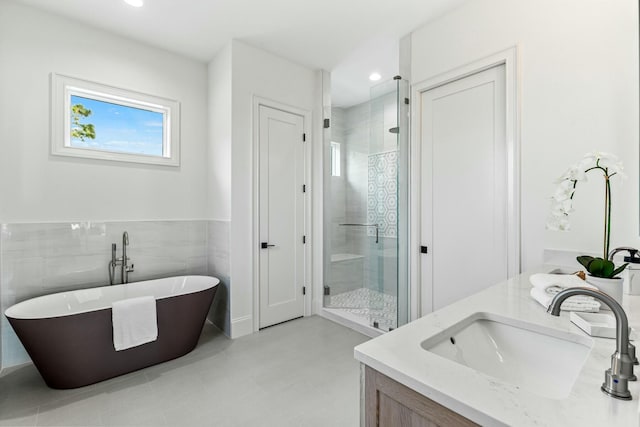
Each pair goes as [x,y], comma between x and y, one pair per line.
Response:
[529,356]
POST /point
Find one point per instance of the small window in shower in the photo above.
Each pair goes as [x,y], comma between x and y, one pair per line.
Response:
[335,159]
[96,121]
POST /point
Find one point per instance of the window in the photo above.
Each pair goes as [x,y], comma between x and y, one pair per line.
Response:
[96,121]
[335,159]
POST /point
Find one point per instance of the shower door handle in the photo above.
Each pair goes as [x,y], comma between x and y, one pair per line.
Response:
[377,226]
[265,245]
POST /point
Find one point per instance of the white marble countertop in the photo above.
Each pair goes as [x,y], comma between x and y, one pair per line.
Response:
[486,400]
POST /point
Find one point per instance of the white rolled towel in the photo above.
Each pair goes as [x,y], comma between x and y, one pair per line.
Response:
[546,286]
[546,280]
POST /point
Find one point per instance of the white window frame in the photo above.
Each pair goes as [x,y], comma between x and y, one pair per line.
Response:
[63,87]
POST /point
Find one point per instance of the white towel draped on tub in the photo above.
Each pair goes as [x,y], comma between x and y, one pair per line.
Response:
[134,322]
[546,286]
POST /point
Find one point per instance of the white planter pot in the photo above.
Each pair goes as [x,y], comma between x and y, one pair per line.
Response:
[613,287]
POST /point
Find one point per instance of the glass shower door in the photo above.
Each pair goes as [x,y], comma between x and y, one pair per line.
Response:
[364,185]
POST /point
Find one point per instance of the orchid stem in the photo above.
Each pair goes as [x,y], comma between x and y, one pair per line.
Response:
[607,225]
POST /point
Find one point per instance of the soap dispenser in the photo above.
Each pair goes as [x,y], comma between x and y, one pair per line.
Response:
[631,274]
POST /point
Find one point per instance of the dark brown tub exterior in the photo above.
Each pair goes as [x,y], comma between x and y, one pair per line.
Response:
[77,350]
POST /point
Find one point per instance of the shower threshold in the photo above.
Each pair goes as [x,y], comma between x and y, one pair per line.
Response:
[366,307]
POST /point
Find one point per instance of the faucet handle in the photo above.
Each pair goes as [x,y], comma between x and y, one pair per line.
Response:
[632,354]
[616,386]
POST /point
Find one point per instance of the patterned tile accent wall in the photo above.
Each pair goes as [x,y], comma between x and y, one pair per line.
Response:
[382,193]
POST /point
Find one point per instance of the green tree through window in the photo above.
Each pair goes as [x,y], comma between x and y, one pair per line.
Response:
[79,130]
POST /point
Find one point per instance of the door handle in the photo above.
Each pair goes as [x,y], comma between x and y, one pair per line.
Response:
[265,245]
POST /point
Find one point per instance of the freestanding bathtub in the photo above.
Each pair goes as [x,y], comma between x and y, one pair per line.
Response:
[69,335]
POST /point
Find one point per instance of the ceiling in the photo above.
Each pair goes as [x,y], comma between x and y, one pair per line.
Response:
[349,36]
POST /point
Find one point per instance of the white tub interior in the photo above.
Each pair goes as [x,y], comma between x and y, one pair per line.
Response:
[93,299]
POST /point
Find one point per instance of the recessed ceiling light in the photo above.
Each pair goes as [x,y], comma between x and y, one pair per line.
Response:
[374,77]
[134,3]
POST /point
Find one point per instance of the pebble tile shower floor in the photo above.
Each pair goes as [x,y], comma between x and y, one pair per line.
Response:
[369,305]
[300,373]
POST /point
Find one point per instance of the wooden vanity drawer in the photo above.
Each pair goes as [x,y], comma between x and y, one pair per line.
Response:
[391,404]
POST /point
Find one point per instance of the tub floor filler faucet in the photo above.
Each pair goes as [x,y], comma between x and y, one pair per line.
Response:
[123,262]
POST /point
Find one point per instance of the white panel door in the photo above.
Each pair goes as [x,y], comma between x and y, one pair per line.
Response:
[464,186]
[281,172]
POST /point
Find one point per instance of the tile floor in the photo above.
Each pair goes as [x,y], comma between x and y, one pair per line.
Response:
[300,373]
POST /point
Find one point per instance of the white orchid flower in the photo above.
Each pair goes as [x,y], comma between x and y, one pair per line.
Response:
[574,173]
[563,197]
[562,208]
[618,169]
[564,191]
[558,224]
[608,161]
[602,156]
[564,224]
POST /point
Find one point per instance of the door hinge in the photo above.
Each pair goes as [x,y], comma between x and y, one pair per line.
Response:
[304,137]
[424,249]
[304,188]
[406,101]
[327,123]
[304,239]
[304,290]
[327,290]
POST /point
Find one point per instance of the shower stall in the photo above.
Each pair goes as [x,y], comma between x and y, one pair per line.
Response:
[366,209]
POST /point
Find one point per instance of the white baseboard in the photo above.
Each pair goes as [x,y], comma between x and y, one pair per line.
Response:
[241,326]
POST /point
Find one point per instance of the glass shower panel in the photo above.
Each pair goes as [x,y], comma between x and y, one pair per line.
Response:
[363,276]
[403,201]
[382,202]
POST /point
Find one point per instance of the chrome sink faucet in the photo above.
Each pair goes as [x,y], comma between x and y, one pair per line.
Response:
[123,261]
[617,377]
[632,252]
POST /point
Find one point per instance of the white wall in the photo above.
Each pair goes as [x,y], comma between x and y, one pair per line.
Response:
[219,169]
[579,93]
[255,73]
[219,182]
[35,186]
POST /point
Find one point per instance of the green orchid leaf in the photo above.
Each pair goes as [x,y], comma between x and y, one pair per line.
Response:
[607,268]
[585,260]
[619,269]
[596,266]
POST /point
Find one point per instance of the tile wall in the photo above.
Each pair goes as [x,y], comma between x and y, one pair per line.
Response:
[219,266]
[44,258]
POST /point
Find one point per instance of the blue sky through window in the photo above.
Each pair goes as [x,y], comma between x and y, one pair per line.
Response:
[120,128]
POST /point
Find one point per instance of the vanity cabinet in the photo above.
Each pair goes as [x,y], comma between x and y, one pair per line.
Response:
[388,403]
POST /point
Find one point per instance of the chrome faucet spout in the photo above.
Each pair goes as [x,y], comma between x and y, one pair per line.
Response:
[125,268]
[621,371]
[112,264]
[622,322]
[123,261]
